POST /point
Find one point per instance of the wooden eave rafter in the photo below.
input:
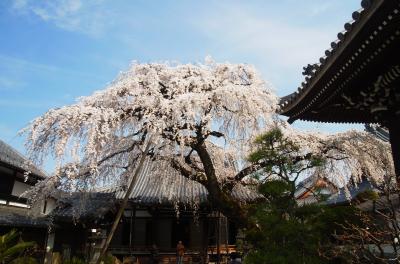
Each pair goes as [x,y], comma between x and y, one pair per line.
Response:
[349,57]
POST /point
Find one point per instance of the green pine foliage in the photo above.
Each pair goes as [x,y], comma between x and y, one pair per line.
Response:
[288,233]
[285,232]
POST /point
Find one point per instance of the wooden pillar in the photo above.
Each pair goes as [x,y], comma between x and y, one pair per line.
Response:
[133,235]
[49,248]
[131,230]
[205,239]
[226,236]
[219,238]
[394,132]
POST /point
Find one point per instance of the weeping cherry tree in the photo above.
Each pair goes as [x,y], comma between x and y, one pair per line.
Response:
[198,121]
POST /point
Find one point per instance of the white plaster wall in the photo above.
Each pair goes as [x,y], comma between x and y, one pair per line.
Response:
[51,204]
[19,188]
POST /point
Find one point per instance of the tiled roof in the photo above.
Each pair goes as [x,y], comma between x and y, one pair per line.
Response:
[148,190]
[382,203]
[341,198]
[378,131]
[350,28]
[12,157]
[366,45]
[84,205]
[169,189]
[20,217]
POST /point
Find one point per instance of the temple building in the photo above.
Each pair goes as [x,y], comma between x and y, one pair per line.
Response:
[358,78]
[15,213]
[161,211]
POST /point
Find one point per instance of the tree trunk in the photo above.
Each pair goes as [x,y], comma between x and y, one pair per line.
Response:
[221,200]
[124,203]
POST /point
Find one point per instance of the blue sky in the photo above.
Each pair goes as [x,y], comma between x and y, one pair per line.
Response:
[52,52]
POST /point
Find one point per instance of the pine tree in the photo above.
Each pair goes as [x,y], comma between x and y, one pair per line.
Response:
[284,231]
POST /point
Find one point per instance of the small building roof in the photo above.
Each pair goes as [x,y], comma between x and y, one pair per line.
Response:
[11,157]
[378,131]
[353,191]
[382,203]
[314,183]
[20,217]
[84,205]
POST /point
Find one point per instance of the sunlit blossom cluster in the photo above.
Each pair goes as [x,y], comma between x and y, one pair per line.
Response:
[348,155]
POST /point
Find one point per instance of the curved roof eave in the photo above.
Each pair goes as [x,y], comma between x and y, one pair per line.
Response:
[352,28]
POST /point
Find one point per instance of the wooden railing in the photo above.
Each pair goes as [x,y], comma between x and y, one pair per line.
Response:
[144,255]
[223,249]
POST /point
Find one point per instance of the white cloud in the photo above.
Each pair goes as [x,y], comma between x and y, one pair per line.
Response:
[70,15]
[20,66]
[19,4]
[278,42]
[9,84]
[278,39]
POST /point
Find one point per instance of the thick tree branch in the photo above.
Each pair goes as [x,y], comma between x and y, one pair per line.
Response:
[189,172]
